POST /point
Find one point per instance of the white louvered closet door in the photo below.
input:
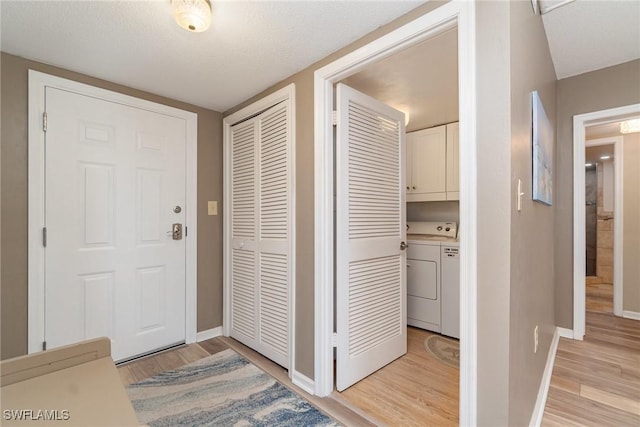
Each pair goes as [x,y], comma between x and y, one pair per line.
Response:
[370,231]
[261,230]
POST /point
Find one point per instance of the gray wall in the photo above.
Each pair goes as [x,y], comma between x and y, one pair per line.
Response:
[532,228]
[13,279]
[598,90]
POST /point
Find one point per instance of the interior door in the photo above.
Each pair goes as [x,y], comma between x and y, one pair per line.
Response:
[371,295]
[115,184]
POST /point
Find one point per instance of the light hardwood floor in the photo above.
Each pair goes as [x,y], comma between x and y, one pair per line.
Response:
[415,390]
[596,382]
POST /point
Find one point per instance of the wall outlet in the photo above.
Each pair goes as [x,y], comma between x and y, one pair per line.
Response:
[535,339]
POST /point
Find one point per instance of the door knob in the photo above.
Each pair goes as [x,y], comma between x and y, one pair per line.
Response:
[403,246]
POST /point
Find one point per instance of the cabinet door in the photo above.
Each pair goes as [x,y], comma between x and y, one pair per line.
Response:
[453,160]
[428,164]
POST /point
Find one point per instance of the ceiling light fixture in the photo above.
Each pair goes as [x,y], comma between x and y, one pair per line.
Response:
[630,126]
[192,15]
[605,157]
[588,165]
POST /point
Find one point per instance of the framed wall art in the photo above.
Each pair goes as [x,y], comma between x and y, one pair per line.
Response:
[542,142]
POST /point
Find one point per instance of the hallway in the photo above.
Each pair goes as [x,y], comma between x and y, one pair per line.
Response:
[596,382]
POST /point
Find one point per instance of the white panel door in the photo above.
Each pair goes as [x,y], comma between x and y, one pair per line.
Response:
[261,211]
[114,175]
[371,261]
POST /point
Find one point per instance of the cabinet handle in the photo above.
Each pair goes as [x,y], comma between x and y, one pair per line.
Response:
[407,187]
[413,188]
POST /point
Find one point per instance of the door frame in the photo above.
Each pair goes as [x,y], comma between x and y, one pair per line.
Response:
[287,93]
[580,121]
[36,188]
[460,14]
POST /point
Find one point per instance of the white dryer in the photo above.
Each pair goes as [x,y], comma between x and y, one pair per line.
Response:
[426,285]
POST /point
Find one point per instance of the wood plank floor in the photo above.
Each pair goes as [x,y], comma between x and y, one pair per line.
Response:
[596,382]
[415,390]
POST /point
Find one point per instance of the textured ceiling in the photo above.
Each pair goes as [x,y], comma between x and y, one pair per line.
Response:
[421,81]
[587,35]
[249,47]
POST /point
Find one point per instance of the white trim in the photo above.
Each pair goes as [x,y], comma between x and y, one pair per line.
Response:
[286,93]
[445,17]
[208,334]
[541,401]
[564,332]
[634,315]
[37,83]
[618,221]
[302,381]
[579,257]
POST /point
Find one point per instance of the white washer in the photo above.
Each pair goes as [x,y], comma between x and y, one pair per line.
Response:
[425,282]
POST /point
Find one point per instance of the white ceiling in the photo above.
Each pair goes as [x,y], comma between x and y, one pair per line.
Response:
[250,46]
[421,81]
[254,44]
[586,35]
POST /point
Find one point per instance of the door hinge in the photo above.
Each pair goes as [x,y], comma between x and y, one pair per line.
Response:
[44,121]
[44,236]
[44,345]
[334,118]
[334,340]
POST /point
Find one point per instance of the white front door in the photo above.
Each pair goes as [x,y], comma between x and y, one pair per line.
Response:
[115,184]
[371,293]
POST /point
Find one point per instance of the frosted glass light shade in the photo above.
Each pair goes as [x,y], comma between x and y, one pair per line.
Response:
[192,15]
[630,126]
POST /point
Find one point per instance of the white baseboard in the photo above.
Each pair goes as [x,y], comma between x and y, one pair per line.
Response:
[208,334]
[541,401]
[303,382]
[564,332]
[631,315]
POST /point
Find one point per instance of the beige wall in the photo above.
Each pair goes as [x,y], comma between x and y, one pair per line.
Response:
[532,233]
[598,90]
[13,279]
[631,226]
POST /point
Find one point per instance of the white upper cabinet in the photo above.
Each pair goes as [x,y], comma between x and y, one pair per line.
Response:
[453,160]
[426,164]
[432,164]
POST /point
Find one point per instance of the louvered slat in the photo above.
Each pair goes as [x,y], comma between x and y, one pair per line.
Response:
[243,177]
[274,302]
[373,174]
[243,291]
[375,299]
[274,199]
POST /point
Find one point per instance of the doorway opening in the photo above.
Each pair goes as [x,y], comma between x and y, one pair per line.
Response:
[447,17]
[599,145]
[421,82]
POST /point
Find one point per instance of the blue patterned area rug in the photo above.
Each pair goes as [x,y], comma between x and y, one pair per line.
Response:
[224,389]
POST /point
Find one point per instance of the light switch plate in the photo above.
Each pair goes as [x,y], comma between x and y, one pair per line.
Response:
[212,207]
